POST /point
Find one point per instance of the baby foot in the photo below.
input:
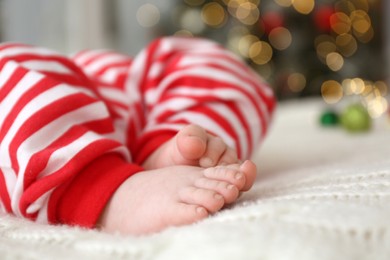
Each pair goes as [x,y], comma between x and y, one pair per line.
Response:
[192,146]
[173,196]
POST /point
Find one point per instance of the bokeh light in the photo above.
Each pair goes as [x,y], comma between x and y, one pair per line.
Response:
[284,3]
[238,2]
[331,91]
[365,37]
[260,52]
[324,45]
[191,20]
[361,21]
[377,106]
[303,6]
[368,89]
[183,33]
[296,82]
[280,38]
[148,15]
[346,44]
[344,6]
[245,42]
[247,12]
[213,14]
[340,23]
[381,86]
[334,61]
[265,34]
[354,86]
[372,94]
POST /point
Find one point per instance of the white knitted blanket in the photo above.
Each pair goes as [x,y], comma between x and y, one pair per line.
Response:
[321,194]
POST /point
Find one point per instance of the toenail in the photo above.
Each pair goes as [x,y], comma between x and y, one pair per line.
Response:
[218,196]
[201,210]
[230,187]
[239,175]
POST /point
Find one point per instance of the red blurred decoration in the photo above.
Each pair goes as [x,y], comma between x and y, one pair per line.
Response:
[271,20]
[322,18]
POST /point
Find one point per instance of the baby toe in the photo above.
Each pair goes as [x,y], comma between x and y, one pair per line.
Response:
[216,147]
[209,199]
[185,214]
[230,174]
[250,171]
[229,191]
[228,157]
[191,142]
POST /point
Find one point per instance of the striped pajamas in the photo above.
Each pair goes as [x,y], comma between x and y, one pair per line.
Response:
[73,129]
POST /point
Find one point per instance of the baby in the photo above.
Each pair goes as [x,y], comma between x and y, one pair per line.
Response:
[130,146]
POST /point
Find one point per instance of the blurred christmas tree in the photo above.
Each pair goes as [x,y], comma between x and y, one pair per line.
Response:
[303,48]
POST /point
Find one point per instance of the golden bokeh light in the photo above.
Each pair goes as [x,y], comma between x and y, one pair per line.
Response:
[260,52]
[331,91]
[361,21]
[284,3]
[361,5]
[245,44]
[340,23]
[377,106]
[213,14]
[334,61]
[238,2]
[346,44]
[345,6]
[303,6]
[365,37]
[346,85]
[233,5]
[148,15]
[247,12]
[356,86]
[267,33]
[280,38]
[373,95]
[368,89]
[191,20]
[234,37]
[183,33]
[323,38]
[324,48]
[296,82]
[382,87]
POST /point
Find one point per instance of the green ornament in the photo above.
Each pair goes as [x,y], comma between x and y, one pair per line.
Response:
[355,118]
[329,118]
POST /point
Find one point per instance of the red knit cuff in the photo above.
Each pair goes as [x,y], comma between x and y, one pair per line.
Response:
[86,196]
[150,142]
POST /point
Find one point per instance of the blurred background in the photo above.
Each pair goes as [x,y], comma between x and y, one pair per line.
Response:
[336,49]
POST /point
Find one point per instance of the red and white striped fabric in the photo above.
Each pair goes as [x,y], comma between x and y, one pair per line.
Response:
[73,129]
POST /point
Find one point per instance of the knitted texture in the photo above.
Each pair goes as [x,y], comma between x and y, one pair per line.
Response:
[321,194]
